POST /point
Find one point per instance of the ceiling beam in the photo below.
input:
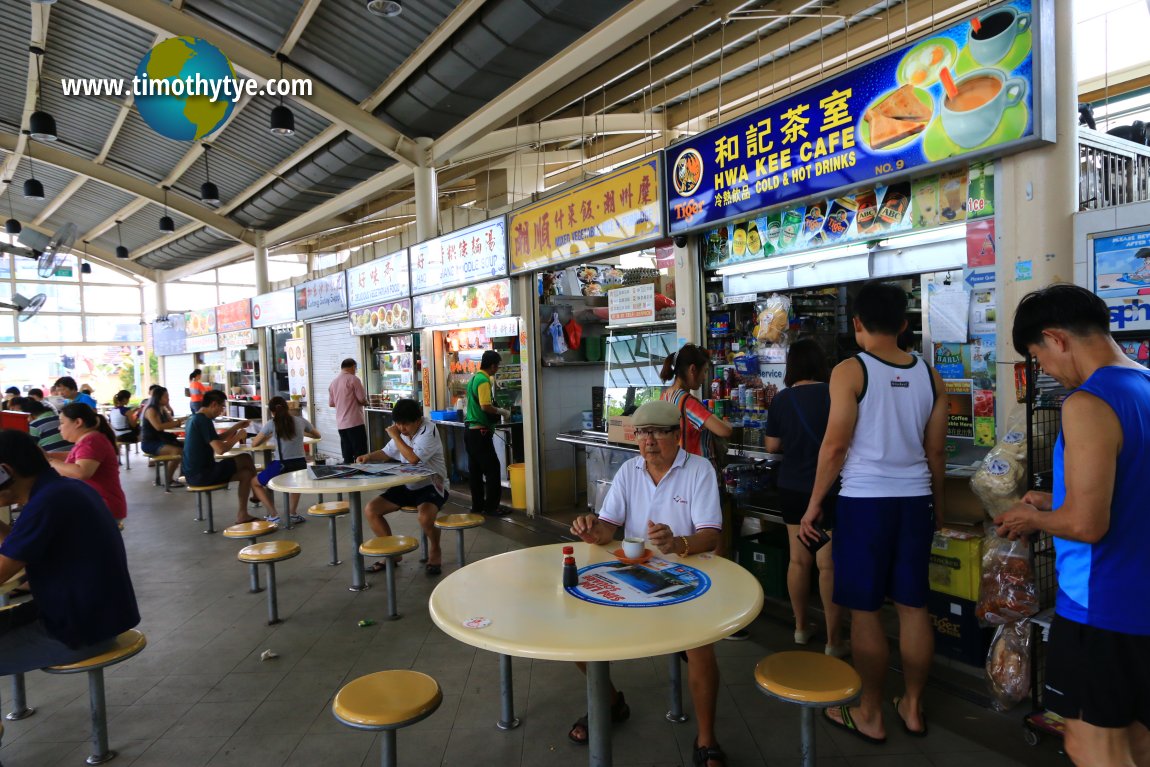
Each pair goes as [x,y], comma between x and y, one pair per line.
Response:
[302,18]
[62,197]
[556,131]
[158,17]
[101,256]
[38,36]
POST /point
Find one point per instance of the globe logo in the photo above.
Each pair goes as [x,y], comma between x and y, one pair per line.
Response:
[182,108]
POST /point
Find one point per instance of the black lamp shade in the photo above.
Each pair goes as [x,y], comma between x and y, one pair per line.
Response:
[12,226]
[167,224]
[282,121]
[85,268]
[121,252]
[42,126]
[33,189]
[209,193]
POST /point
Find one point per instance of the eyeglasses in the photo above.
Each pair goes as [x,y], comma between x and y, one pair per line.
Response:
[655,432]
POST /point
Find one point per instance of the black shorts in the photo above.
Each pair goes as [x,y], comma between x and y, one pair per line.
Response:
[403,496]
[1101,677]
[794,504]
[220,473]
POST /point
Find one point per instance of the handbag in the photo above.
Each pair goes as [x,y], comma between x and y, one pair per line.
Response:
[274,468]
[713,447]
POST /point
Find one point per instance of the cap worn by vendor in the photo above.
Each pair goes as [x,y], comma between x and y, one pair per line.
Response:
[656,413]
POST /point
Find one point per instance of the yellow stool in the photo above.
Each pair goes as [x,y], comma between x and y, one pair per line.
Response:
[201,491]
[251,532]
[810,680]
[158,461]
[268,553]
[331,510]
[128,644]
[388,547]
[386,701]
[459,523]
[422,535]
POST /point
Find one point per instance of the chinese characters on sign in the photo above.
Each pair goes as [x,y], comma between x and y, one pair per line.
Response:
[276,308]
[618,208]
[386,318]
[321,298]
[237,339]
[170,337]
[208,343]
[234,316]
[378,281]
[474,302]
[470,255]
[632,305]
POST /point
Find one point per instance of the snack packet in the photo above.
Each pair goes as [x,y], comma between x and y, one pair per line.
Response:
[1008,665]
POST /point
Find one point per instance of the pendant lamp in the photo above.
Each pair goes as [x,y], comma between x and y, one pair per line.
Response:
[33,189]
[209,192]
[166,222]
[85,267]
[11,226]
[121,251]
[282,118]
[41,125]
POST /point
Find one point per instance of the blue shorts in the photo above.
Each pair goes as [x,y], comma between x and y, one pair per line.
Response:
[882,549]
[404,496]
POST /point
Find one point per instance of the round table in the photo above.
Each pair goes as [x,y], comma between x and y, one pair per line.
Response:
[532,616]
[302,482]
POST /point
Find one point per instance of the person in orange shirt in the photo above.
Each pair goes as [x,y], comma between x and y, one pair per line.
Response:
[196,390]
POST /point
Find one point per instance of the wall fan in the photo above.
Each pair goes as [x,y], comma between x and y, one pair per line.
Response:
[49,252]
[25,308]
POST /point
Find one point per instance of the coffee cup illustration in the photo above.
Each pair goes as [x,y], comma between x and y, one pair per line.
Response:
[996,34]
[974,113]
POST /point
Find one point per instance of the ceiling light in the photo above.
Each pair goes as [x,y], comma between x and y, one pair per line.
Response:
[209,192]
[282,120]
[166,222]
[11,226]
[121,251]
[85,267]
[386,8]
[43,2]
[33,189]
[41,125]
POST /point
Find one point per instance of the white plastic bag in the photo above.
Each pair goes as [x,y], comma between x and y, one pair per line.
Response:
[1000,482]
[1008,665]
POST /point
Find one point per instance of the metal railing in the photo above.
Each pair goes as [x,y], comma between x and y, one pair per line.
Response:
[1111,171]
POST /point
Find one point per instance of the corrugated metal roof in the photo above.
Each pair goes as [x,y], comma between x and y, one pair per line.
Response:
[92,203]
[143,153]
[197,245]
[15,30]
[139,229]
[262,22]
[354,51]
[52,178]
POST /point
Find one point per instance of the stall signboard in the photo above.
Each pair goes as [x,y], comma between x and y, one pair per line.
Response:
[237,339]
[621,208]
[276,308]
[378,281]
[874,212]
[1122,265]
[489,300]
[469,255]
[200,322]
[385,318]
[208,343]
[321,298]
[889,117]
[236,315]
[631,305]
[169,337]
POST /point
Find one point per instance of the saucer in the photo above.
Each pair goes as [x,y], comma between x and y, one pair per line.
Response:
[647,554]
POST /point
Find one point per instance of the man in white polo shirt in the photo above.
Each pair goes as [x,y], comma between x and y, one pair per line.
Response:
[671,498]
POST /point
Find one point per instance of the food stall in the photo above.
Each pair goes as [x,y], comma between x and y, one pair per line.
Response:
[604,300]
[203,344]
[273,316]
[241,361]
[314,357]
[380,313]
[461,304]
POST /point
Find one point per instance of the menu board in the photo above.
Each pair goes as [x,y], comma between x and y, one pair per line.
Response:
[208,343]
[474,302]
[385,318]
[476,253]
[276,308]
[631,305]
[320,298]
[892,116]
[169,337]
[297,362]
[237,339]
[378,281]
[201,322]
[234,316]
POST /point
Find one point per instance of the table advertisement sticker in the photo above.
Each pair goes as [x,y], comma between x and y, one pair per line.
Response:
[379,281]
[618,208]
[236,315]
[321,298]
[892,115]
[653,584]
[276,308]
[385,318]
[474,302]
[476,253]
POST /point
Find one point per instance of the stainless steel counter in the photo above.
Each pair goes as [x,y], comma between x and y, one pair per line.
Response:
[593,439]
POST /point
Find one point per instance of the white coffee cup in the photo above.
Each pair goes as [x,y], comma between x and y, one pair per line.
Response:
[633,548]
[993,49]
[974,115]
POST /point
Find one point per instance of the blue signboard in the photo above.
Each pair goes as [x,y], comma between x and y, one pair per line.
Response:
[966,91]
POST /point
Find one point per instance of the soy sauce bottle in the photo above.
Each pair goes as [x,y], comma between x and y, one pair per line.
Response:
[570,573]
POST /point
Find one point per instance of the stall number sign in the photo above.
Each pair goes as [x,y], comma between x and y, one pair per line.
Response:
[631,305]
[276,308]
[470,255]
[379,281]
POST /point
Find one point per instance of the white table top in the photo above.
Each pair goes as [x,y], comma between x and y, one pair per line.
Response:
[532,616]
[302,482]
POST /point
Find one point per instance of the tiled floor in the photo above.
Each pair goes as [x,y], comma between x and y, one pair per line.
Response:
[199,694]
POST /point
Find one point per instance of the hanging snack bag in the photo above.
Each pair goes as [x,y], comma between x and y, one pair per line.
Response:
[773,319]
[1008,665]
[1009,592]
[1000,481]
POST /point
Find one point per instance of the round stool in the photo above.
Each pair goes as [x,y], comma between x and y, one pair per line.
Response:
[128,644]
[388,547]
[251,532]
[459,523]
[386,701]
[201,491]
[268,553]
[158,461]
[810,680]
[331,510]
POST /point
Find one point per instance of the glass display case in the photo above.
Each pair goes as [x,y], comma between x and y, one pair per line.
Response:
[464,351]
[634,358]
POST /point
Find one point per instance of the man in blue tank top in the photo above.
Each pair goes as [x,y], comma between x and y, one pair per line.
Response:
[1098,659]
[886,435]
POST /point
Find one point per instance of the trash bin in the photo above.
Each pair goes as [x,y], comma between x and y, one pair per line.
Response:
[516,471]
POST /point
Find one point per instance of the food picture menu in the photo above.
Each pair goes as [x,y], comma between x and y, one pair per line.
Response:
[297,361]
[200,323]
[474,302]
[236,315]
[385,318]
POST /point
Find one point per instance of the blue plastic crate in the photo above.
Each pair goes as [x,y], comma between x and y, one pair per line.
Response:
[446,415]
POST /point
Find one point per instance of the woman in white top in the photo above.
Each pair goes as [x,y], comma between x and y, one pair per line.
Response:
[125,422]
[289,431]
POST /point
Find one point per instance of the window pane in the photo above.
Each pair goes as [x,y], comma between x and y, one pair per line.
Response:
[180,296]
[104,274]
[61,298]
[28,269]
[51,327]
[7,334]
[285,270]
[102,298]
[5,266]
[206,276]
[229,293]
[238,274]
[113,329]
[106,368]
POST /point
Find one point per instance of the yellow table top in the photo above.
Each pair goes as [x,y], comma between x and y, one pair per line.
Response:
[302,482]
[531,616]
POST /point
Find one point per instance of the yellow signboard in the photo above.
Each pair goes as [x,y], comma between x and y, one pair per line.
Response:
[618,208]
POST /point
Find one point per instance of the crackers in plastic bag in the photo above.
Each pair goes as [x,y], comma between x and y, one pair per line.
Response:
[773,319]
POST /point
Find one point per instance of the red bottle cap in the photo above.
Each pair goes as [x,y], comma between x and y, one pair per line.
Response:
[568,560]
[568,550]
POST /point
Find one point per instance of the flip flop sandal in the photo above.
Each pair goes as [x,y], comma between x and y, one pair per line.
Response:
[703,754]
[848,725]
[913,733]
[376,567]
[434,570]
[620,712]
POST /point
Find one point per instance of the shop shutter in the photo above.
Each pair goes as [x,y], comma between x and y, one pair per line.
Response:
[331,343]
[177,368]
